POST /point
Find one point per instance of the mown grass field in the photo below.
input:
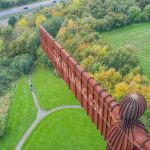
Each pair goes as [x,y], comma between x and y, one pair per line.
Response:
[21,114]
[66,129]
[137,35]
[51,91]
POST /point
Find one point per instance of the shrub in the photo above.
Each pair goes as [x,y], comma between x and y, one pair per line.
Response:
[147,10]
[23,63]
[4,80]
[53,25]
[4,106]
[44,59]
[111,21]
[6,33]
[123,59]
[87,63]
[105,24]
[2,126]
[6,75]
[135,14]
[108,78]
[119,19]
[121,89]
[73,7]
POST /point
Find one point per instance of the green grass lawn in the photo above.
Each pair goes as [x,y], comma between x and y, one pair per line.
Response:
[138,35]
[65,130]
[20,116]
[51,91]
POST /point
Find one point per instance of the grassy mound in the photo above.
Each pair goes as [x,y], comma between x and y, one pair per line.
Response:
[51,91]
[21,114]
[137,35]
[65,130]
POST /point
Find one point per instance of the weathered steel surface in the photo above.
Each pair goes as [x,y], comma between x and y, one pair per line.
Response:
[132,108]
[118,123]
[120,135]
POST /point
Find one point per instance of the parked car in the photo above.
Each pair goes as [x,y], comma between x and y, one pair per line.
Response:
[25,7]
[54,1]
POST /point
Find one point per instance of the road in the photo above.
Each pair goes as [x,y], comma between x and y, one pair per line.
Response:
[20,9]
[3,22]
[5,14]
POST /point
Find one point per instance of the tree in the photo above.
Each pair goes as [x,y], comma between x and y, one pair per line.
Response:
[12,21]
[142,4]
[40,19]
[32,43]
[22,22]
[25,40]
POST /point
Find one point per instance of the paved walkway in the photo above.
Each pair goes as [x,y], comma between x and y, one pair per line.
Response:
[40,115]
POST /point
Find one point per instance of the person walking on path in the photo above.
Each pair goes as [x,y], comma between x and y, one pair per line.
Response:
[31,87]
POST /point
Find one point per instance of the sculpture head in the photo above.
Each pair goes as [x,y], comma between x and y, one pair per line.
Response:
[132,108]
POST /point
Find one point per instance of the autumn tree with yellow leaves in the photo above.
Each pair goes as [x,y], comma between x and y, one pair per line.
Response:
[40,19]
[22,22]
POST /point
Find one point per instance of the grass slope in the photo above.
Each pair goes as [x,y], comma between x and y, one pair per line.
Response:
[51,91]
[65,130]
[21,114]
[138,35]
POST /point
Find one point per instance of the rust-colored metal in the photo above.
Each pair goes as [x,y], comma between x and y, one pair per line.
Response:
[118,123]
[132,107]
[121,133]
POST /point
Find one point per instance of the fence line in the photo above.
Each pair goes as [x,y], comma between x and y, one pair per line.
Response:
[99,105]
